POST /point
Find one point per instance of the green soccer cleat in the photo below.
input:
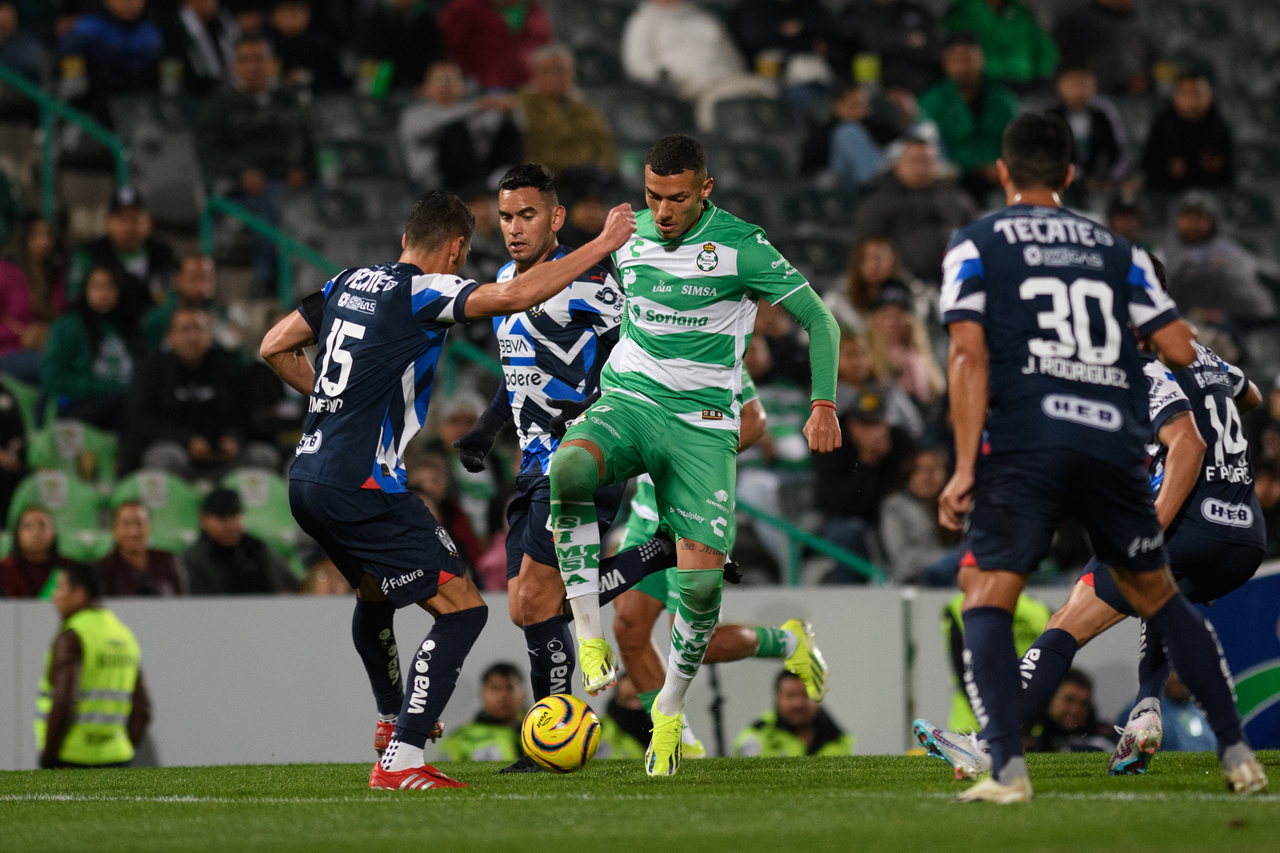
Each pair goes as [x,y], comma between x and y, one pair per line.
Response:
[662,758]
[690,746]
[599,667]
[806,661]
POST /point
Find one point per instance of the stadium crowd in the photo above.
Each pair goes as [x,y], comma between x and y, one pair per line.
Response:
[139,429]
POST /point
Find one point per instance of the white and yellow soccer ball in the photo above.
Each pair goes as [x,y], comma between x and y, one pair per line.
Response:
[560,733]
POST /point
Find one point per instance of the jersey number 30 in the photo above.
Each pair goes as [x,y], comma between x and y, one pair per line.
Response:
[1069,319]
[334,352]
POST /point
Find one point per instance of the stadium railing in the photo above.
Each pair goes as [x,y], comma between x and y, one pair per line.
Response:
[52,109]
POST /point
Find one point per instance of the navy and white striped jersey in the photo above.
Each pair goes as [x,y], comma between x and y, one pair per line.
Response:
[1054,292]
[549,353]
[1223,505]
[380,333]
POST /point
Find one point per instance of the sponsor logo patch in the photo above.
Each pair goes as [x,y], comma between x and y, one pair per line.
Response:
[357,303]
[1221,512]
[446,540]
[712,415]
[1078,410]
[310,443]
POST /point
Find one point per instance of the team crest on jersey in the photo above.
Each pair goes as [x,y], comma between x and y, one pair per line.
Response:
[707,258]
[446,540]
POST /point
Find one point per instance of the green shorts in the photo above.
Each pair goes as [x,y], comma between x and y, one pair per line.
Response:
[693,469]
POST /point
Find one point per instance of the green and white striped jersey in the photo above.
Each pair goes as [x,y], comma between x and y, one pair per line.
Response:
[690,309]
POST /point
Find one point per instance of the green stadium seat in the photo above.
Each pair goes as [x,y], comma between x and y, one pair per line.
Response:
[265,496]
[598,68]
[28,397]
[746,161]
[820,209]
[172,503]
[1246,208]
[753,118]
[645,116]
[76,448]
[75,508]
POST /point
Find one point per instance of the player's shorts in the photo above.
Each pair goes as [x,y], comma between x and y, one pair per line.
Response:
[664,586]
[694,470]
[1206,569]
[529,518]
[393,538]
[1021,498]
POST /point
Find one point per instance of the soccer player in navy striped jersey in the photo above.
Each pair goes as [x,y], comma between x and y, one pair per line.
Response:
[1051,420]
[380,331]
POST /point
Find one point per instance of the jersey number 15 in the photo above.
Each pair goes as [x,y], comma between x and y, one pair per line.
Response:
[333,352]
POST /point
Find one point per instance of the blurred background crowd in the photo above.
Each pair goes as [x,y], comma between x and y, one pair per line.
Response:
[138,428]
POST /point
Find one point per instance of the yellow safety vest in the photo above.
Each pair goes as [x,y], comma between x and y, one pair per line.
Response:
[108,674]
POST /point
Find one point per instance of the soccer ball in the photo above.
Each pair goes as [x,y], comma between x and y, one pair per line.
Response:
[560,733]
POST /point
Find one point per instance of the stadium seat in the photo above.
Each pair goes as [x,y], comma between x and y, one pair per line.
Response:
[820,210]
[742,204]
[28,397]
[736,162]
[591,23]
[648,115]
[76,448]
[265,496]
[598,68]
[366,158]
[173,504]
[755,118]
[1258,161]
[339,209]
[816,257]
[1137,111]
[1246,208]
[1261,345]
[347,117]
[75,508]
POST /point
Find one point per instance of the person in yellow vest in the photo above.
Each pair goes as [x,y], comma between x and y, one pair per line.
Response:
[797,726]
[1030,619]
[494,735]
[93,707]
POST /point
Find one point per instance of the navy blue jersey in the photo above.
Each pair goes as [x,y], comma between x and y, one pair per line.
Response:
[1055,292]
[380,334]
[549,353]
[1223,504]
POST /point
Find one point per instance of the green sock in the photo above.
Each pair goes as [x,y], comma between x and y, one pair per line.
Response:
[773,643]
[646,699]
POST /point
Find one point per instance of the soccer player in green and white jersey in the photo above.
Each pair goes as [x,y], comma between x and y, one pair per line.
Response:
[693,275]
[637,609]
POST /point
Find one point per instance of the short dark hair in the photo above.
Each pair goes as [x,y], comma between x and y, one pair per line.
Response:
[222,503]
[83,576]
[677,153]
[437,218]
[783,676]
[1079,678]
[963,38]
[1036,147]
[501,668]
[533,175]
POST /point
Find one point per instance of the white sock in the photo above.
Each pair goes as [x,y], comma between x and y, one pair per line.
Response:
[586,617]
[670,700]
[402,756]
[388,718]
[687,737]
[791,643]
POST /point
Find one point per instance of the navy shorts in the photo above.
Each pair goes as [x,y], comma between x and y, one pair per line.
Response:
[1021,498]
[1206,569]
[529,519]
[393,538]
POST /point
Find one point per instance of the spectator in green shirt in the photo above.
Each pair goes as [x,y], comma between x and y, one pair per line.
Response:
[88,363]
[193,287]
[971,111]
[1018,49]
[494,735]
[797,726]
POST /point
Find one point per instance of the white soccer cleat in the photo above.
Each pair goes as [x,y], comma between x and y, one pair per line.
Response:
[991,791]
[1140,739]
[1247,778]
[966,754]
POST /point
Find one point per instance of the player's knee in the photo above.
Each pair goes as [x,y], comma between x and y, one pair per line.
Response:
[538,603]
[574,473]
[701,588]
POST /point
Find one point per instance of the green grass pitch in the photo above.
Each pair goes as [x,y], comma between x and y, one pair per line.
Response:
[898,803]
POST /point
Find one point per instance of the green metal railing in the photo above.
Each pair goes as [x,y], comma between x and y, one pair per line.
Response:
[52,109]
[287,248]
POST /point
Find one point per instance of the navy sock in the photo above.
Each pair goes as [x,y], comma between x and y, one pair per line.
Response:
[434,672]
[991,682]
[622,571]
[375,640]
[1153,663]
[1193,650]
[1043,666]
[551,658]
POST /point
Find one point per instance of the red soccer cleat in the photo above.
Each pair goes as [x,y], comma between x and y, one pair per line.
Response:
[412,779]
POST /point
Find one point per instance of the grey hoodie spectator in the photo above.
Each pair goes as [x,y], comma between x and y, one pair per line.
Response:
[909,530]
[1211,274]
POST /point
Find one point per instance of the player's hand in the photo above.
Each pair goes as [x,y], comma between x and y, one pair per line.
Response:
[473,447]
[618,228]
[569,409]
[956,500]
[822,430]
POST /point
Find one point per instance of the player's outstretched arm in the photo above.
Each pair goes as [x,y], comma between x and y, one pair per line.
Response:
[547,279]
[822,428]
[282,350]
[968,366]
[1173,343]
[1181,465]
[1249,400]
